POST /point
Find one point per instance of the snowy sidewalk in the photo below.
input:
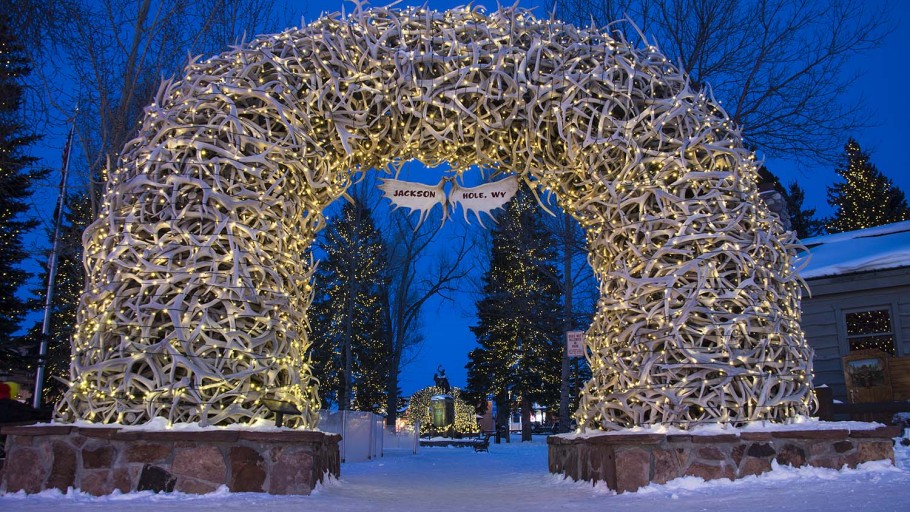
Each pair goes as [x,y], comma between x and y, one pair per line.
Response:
[514,477]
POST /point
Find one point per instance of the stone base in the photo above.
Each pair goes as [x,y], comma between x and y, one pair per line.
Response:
[627,462]
[99,460]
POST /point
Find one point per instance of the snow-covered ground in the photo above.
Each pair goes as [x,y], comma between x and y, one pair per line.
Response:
[514,477]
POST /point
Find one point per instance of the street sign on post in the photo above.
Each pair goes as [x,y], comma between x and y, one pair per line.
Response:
[575,343]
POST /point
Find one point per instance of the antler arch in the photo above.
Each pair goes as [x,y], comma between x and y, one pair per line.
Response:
[199,284]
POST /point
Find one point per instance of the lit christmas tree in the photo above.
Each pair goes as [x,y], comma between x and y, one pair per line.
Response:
[69,284]
[348,327]
[866,198]
[520,328]
[17,177]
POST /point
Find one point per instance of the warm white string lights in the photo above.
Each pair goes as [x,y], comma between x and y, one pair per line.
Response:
[199,279]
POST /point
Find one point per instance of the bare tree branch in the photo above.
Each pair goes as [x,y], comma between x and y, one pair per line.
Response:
[412,282]
[108,57]
[779,66]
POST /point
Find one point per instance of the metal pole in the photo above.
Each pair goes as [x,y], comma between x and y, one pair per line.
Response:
[567,324]
[344,434]
[52,271]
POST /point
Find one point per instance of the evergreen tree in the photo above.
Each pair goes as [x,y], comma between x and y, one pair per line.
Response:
[520,325]
[803,222]
[579,296]
[866,198]
[68,287]
[17,177]
[767,180]
[348,324]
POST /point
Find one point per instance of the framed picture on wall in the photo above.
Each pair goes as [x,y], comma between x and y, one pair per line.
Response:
[867,373]
[867,376]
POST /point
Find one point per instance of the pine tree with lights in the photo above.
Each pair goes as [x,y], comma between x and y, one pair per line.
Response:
[348,324]
[520,328]
[866,198]
[802,221]
[17,177]
[68,287]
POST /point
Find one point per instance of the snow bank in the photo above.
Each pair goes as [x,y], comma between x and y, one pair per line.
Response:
[798,423]
[514,477]
[864,250]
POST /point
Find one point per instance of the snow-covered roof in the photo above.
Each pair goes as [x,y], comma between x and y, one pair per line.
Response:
[862,250]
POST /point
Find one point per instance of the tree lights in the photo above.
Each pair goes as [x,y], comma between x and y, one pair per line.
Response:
[348,332]
[866,198]
[198,286]
[18,176]
[465,421]
[519,329]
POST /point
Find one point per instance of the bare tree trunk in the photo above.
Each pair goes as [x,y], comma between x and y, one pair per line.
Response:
[526,419]
[347,398]
[503,414]
[392,390]
[392,398]
[392,364]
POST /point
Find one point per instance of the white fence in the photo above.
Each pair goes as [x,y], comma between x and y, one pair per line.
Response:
[407,438]
[364,435]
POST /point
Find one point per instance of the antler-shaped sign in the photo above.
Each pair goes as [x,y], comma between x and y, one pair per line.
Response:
[483,198]
[419,197]
[415,196]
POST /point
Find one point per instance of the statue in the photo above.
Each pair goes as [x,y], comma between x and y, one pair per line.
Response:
[442,382]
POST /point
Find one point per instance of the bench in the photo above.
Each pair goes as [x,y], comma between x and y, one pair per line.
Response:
[482,444]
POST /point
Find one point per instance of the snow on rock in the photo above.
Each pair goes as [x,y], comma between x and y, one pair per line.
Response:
[162,425]
[798,423]
[514,477]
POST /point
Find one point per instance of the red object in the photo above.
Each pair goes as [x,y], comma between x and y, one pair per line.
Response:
[5,391]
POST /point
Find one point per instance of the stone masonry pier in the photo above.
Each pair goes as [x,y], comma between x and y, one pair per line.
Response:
[99,460]
[629,461]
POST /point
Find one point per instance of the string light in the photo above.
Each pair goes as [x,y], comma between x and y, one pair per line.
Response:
[18,176]
[200,247]
[866,198]
[870,330]
[519,329]
[347,310]
[465,421]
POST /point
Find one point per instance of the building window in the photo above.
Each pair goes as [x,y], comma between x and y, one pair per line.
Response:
[870,329]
